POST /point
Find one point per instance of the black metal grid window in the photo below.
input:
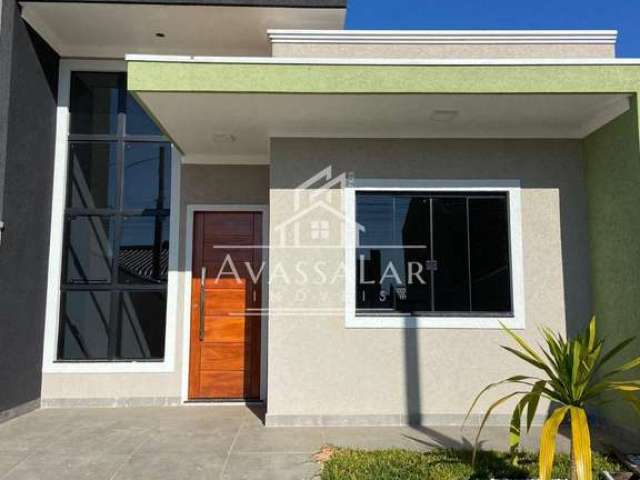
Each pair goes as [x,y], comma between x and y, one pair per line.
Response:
[433,253]
[116,238]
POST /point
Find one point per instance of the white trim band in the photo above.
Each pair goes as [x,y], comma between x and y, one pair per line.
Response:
[135,57]
[459,37]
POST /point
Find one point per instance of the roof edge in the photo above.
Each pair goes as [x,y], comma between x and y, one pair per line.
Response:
[135,57]
[444,36]
[321,4]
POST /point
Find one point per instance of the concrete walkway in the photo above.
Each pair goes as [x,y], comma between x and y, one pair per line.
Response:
[195,442]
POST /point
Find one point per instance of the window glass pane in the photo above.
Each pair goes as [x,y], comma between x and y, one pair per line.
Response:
[390,264]
[147,176]
[375,214]
[451,279]
[88,250]
[138,122]
[92,175]
[144,250]
[411,252]
[372,293]
[85,325]
[142,325]
[489,240]
[94,102]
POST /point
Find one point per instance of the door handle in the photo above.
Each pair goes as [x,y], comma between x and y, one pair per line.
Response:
[203,278]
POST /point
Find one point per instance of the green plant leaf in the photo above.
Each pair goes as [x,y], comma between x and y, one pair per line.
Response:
[532,406]
[612,353]
[591,334]
[548,442]
[628,386]
[525,346]
[632,399]
[525,357]
[518,379]
[516,425]
[630,365]
[486,417]
[581,443]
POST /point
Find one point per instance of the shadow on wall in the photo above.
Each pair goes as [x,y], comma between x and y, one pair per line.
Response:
[574,250]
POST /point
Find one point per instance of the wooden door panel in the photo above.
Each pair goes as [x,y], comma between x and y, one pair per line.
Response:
[229,229]
[225,300]
[228,222]
[225,329]
[225,355]
[215,384]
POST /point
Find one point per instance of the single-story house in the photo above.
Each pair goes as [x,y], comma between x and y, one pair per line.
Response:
[239,201]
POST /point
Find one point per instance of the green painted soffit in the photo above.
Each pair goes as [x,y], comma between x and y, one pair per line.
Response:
[277,78]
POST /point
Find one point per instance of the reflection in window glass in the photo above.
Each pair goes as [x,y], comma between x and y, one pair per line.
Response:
[144,250]
[142,325]
[374,213]
[116,239]
[489,241]
[392,254]
[95,102]
[85,325]
[138,122]
[147,176]
[412,235]
[92,175]
[451,279]
[88,250]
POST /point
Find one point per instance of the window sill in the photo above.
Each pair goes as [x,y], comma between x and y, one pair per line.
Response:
[108,367]
[435,322]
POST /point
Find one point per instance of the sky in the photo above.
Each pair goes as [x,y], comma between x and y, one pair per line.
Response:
[621,15]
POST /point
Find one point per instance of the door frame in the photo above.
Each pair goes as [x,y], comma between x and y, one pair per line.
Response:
[191,210]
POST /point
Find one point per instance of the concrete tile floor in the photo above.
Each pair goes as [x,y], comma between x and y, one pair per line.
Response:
[194,442]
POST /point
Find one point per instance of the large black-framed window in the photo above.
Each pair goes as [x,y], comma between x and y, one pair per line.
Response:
[433,253]
[116,230]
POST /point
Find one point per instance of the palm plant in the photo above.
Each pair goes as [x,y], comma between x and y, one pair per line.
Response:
[572,377]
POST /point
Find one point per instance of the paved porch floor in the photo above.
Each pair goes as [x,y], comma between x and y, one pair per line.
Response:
[195,442]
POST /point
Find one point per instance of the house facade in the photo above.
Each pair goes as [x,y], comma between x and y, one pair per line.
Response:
[240,201]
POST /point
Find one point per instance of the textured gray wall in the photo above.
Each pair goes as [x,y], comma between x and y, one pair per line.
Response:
[373,376]
[28,90]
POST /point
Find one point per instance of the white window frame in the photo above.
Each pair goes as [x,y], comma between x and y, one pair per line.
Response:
[513,191]
[52,314]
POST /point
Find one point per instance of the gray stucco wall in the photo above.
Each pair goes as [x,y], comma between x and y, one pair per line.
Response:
[28,91]
[321,372]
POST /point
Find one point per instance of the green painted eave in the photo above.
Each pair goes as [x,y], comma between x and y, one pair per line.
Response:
[157,76]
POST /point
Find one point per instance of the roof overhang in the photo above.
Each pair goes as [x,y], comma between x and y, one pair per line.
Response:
[226,111]
[111,29]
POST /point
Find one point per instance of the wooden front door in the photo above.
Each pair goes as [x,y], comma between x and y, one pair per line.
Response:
[225,308]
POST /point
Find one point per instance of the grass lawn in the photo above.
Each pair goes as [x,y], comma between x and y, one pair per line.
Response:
[345,464]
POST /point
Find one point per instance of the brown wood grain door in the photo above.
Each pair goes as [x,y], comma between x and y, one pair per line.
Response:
[225,308]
